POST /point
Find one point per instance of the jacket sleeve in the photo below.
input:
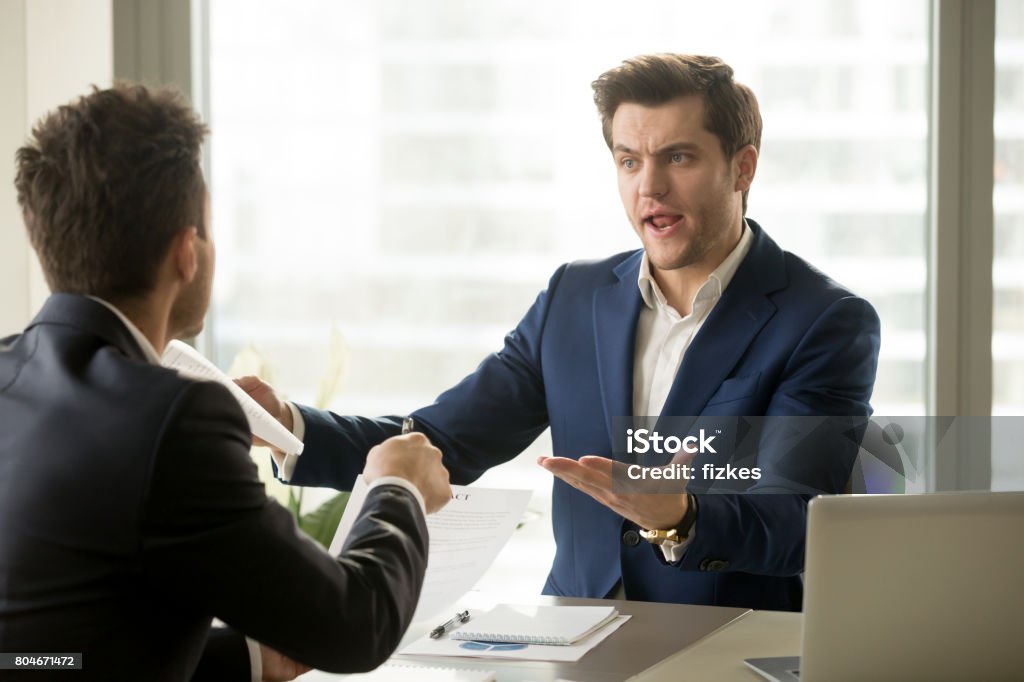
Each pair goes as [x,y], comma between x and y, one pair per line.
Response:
[216,543]
[486,419]
[830,374]
[225,657]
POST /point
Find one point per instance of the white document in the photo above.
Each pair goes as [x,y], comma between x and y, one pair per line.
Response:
[190,363]
[533,624]
[465,538]
[425,646]
[403,672]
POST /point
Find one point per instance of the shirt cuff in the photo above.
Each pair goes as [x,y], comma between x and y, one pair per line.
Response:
[298,423]
[674,553]
[255,660]
[286,463]
[402,483]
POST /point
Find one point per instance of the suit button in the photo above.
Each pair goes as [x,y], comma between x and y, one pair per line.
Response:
[713,565]
[631,538]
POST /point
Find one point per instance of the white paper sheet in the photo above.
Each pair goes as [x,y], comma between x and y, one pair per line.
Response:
[425,646]
[403,672]
[190,363]
[465,538]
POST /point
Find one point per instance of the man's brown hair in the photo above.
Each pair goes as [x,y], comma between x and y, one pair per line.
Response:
[730,108]
[106,183]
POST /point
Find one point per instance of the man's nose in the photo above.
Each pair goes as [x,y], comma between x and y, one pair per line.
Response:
[653,182]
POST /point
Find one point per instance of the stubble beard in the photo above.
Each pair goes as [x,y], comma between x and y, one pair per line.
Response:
[709,228]
[187,317]
[189,310]
[711,224]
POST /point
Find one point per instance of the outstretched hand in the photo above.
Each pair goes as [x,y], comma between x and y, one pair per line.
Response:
[593,475]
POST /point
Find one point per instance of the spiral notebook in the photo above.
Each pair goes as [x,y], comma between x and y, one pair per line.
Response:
[554,625]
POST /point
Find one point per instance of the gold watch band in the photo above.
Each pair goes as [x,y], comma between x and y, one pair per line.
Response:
[672,536]
[661,537]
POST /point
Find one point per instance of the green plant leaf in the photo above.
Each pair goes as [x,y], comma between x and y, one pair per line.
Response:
[295,501]
[321,523]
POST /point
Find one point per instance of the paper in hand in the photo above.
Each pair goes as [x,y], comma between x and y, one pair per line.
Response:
[190,363]
[465,538]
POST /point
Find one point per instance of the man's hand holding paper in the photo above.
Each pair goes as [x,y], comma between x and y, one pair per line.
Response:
[413,458]
[264,394]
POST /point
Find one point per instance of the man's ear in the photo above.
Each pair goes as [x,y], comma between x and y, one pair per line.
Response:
[745,164]
[184,255]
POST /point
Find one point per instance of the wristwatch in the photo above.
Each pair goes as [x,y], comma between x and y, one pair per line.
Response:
[674,536]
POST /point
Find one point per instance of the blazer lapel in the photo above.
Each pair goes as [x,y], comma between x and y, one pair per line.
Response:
[616,309]
[733,324]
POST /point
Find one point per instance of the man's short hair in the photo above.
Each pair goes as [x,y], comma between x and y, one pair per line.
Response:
[731,112]
[106,183]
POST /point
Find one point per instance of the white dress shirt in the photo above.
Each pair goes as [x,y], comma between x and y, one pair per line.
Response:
[663,336]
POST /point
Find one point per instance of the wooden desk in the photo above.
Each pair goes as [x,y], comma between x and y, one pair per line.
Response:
[654,633]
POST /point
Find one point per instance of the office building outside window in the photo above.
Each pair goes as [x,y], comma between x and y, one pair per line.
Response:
[1008,239]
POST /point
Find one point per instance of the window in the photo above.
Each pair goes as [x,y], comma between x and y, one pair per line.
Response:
[1008,263]
[410,174]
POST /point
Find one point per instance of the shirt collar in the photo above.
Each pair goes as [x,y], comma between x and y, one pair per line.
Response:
[713,287]
[139,337]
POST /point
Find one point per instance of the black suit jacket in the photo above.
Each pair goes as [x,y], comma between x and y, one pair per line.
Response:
[131,515]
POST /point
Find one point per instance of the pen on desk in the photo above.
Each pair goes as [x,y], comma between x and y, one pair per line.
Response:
[441,629]
[408,425]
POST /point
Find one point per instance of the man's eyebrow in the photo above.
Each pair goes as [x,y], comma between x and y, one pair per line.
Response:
[677,147]
[670,148]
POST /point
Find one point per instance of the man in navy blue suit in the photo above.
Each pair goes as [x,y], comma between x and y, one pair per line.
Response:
[710,318]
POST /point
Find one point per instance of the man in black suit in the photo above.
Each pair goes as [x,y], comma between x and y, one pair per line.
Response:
[130,511]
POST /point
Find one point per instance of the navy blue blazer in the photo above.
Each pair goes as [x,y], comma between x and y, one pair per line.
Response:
[783,339]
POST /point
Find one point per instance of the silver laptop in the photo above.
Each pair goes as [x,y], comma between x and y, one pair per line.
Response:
[911,587]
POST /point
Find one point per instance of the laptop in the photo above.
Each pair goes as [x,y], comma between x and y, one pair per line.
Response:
[911,587]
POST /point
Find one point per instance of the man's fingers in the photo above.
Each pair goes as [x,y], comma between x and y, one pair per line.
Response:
[598,470]
[248,382]
[595,479]
[601,465]
[593,476]
[566,469]
[576,469]
[279,668]
[595,484]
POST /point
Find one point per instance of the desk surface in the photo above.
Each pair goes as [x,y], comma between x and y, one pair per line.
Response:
[653,634]
[719,656]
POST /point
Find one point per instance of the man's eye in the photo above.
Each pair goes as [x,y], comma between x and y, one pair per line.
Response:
[678,158]
[628,163]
